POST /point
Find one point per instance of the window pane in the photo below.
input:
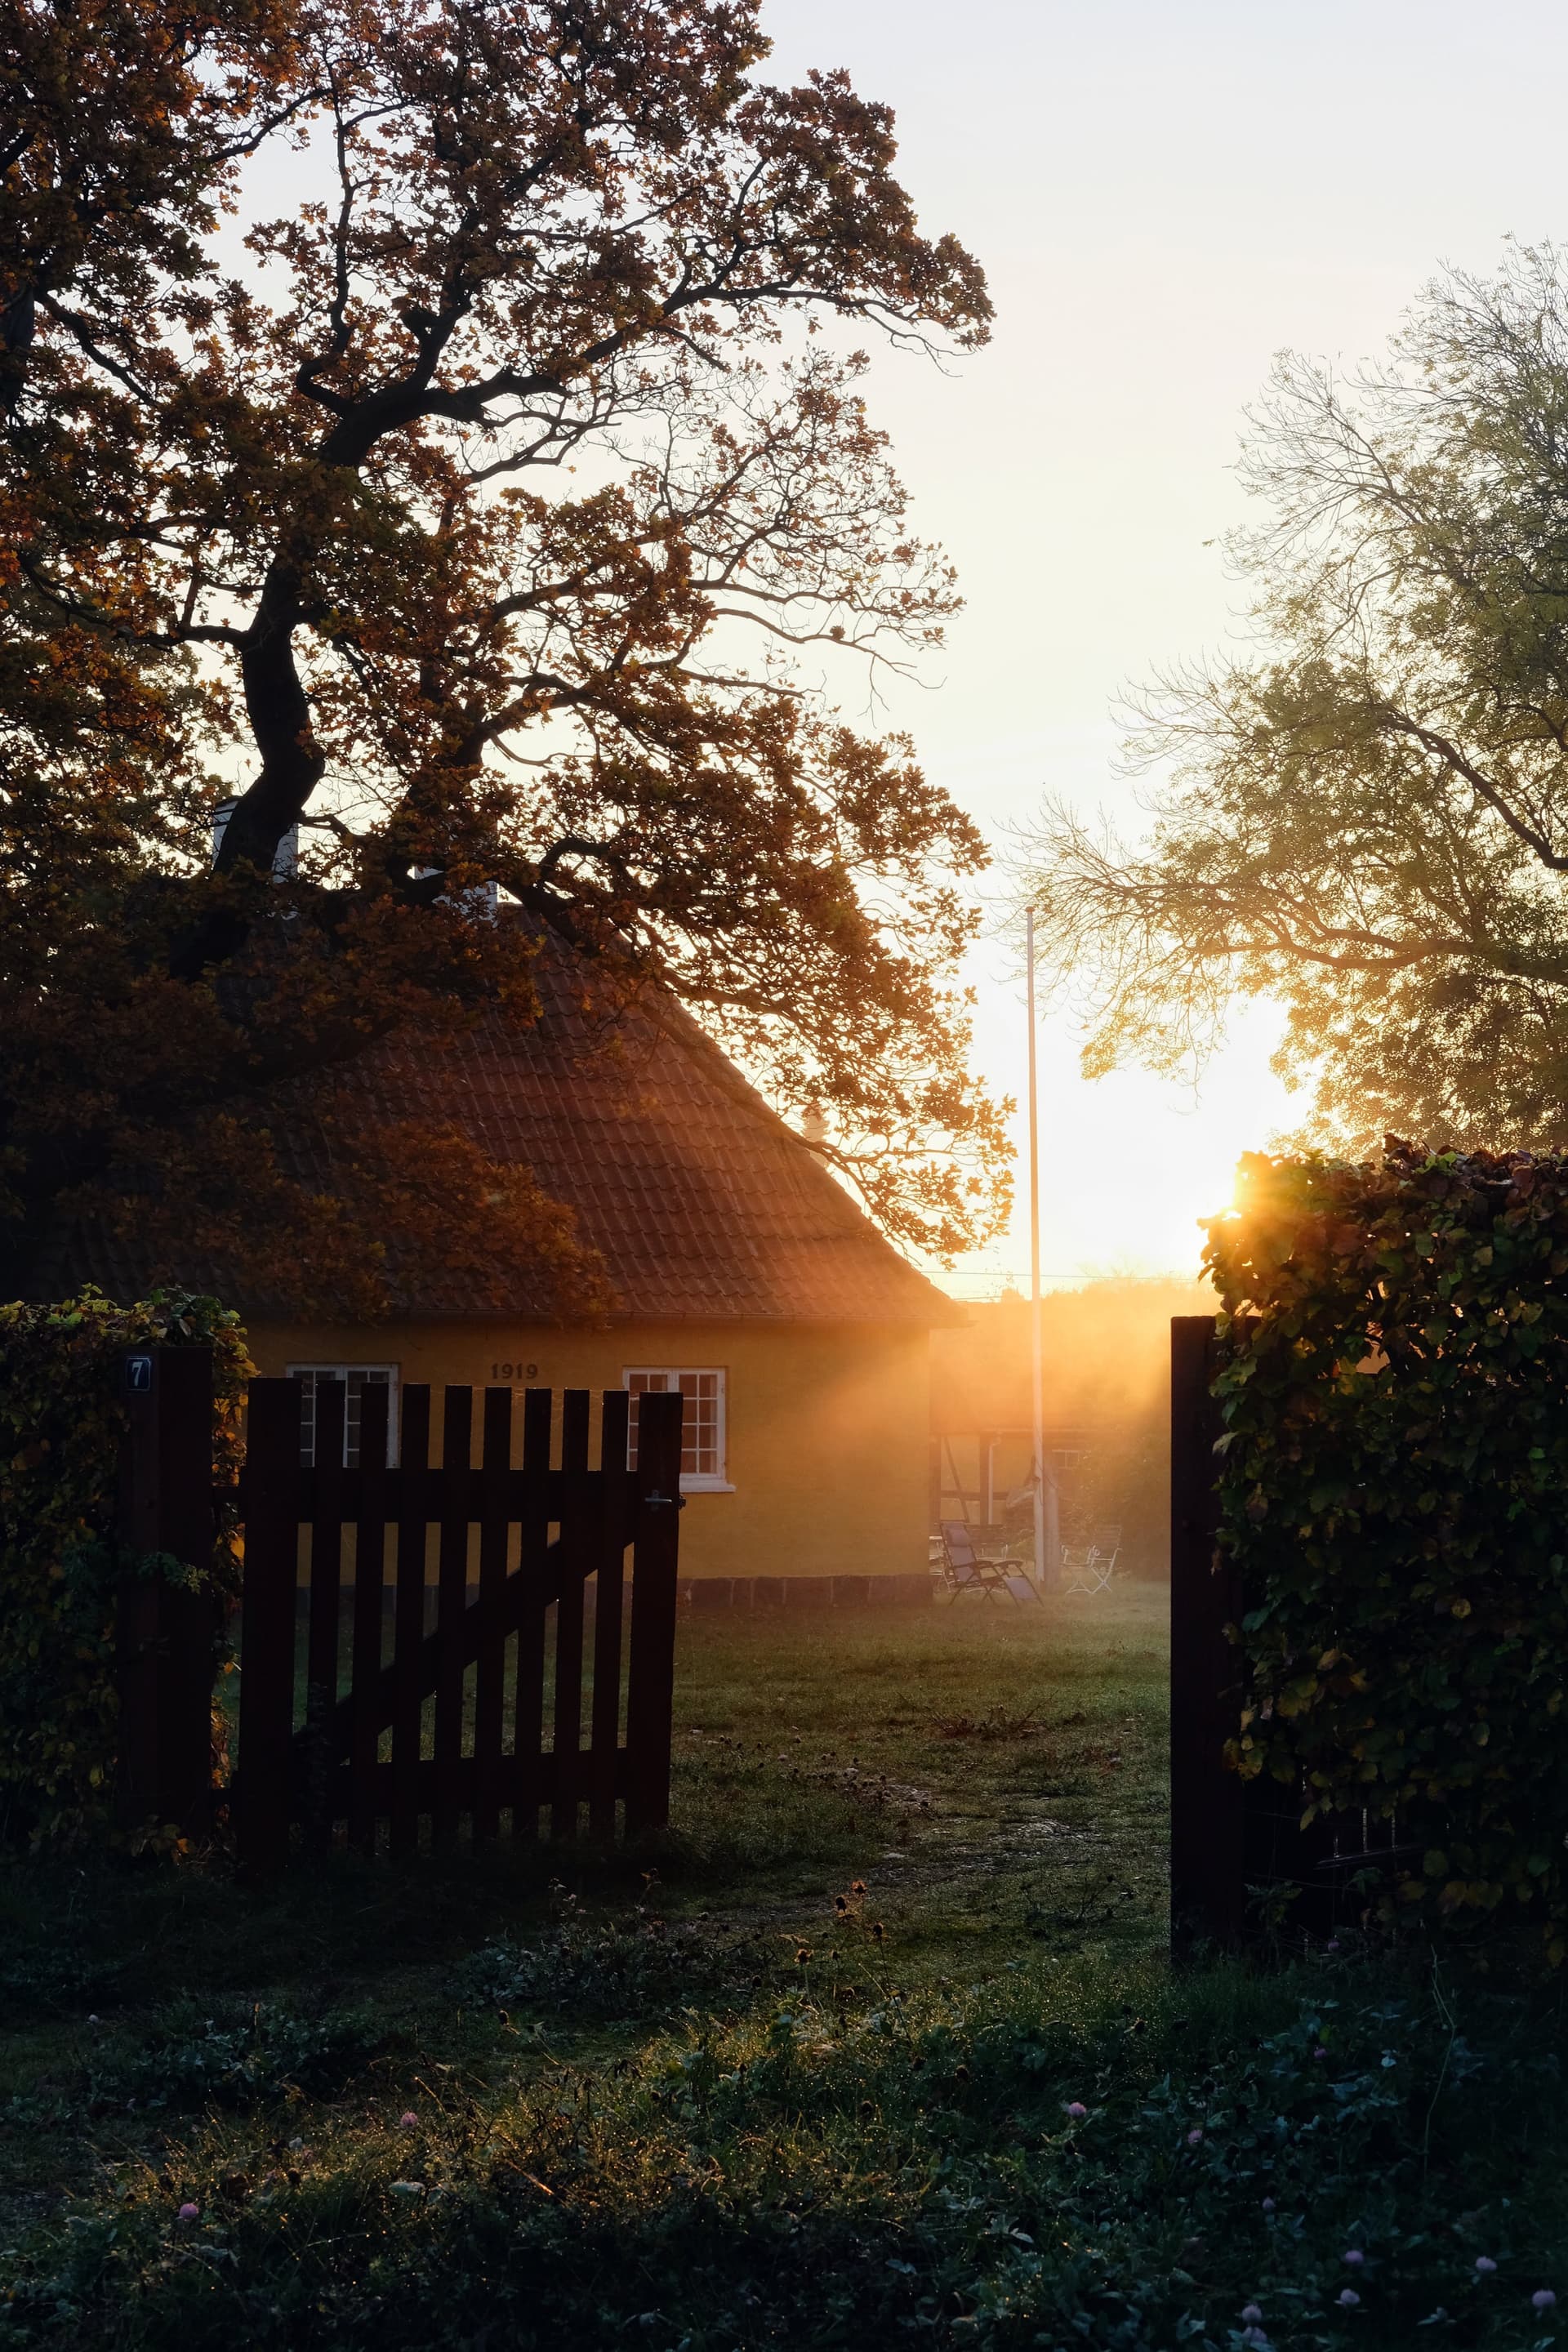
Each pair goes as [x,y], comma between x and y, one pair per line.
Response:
[356,1378]
[701,1420]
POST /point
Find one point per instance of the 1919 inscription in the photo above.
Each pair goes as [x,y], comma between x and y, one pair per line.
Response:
[508,1371]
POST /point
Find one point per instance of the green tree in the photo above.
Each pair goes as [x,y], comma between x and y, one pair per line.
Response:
[1365,816]
[437,420]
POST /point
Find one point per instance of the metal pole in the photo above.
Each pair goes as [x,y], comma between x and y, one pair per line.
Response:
[1044,1566]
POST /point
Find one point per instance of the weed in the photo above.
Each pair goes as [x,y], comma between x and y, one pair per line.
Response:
[998,1725]
[623,1966]
[245,2055]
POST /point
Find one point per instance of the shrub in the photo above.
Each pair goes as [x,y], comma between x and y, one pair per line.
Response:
[1395,1490]
[61,1420]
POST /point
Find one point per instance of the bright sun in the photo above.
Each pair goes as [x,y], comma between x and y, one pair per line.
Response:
[1129,1163]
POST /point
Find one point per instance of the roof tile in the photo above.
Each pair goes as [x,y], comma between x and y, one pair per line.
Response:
[703,1204]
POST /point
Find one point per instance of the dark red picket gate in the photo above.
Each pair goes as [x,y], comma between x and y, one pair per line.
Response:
[511,1701]
[425,1645]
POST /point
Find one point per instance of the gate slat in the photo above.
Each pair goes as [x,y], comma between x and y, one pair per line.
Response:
[451,1600]
[489,1680]
[528,1696]
[369,1545]
[650,1691]
[608,1538]
[325,1604]
[576,1539]
[408,1622]
[266,1631]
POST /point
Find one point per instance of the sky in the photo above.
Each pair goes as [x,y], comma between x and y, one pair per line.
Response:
[1162,196]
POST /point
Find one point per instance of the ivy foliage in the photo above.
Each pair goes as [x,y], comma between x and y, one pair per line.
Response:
[61,1419]
[1393,1488]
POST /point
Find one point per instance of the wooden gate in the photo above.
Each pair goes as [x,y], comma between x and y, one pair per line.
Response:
[455,1672]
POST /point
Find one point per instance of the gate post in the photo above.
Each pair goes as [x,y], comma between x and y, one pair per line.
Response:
[650,1671]
[266,1626]
[1208,1891]
[165,1636]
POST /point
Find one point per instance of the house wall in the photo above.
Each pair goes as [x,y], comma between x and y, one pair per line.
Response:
[828,1449]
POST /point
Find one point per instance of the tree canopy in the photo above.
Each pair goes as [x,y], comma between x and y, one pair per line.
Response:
[436,424]
[1365,815]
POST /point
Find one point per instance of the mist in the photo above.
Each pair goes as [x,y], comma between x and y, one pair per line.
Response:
[1105,1397]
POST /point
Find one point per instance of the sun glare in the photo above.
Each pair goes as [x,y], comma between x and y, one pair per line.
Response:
[1132,1165]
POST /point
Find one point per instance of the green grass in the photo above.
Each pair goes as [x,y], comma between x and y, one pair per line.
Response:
[799,2076]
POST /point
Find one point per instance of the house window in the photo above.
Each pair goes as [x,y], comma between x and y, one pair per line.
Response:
[356,1379]
[702,1468]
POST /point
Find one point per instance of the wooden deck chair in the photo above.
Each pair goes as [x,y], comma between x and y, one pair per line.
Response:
[965,1570]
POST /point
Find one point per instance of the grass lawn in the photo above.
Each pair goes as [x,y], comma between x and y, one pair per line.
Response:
[880,2045]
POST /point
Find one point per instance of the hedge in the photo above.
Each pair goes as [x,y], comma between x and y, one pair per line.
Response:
[1394,1486]
[61,1418]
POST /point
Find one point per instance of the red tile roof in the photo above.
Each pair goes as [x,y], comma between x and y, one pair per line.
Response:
[704,1206]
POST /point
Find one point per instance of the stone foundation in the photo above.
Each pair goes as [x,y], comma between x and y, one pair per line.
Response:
[764,1594]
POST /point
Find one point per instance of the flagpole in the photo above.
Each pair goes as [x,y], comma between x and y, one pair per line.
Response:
[1045,1569]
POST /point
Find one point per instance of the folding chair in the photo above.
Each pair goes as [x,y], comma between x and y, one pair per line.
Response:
[963,1568]
[1096,1565]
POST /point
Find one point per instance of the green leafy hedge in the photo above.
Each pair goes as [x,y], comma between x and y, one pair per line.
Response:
[1394,1487]
[61,1417]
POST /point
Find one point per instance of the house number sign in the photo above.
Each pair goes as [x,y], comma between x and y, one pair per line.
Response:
[509,1371]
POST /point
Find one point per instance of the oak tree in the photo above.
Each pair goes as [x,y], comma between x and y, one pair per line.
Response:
[437,427]
[1364,815]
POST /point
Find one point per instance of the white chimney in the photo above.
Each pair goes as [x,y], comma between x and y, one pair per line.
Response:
[285,858]
[480,901]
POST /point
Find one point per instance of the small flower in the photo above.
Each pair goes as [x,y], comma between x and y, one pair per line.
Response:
[1319,2052]
[1194,2136]
[1349,2297]
[1076,2110]
[1543,2300]
[189,2212]
[408,2120]
[1268,2204]
[1354,2255]
[1485,2264]
[1251,2315]
[1333,1944]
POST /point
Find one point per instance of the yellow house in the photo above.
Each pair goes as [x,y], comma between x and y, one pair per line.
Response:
[741,1272]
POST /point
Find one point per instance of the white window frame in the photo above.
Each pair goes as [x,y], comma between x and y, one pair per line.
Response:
[340,1372]
[697,1482]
